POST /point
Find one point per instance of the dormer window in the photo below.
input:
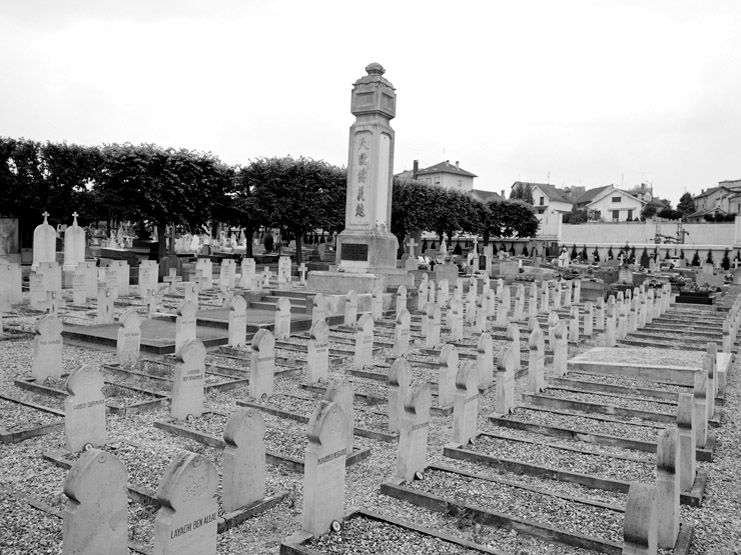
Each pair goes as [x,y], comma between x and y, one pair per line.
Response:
[615,199]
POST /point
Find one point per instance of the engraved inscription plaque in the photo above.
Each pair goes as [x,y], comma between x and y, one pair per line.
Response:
[354,251]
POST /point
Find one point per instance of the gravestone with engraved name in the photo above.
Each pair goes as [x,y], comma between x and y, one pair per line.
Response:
[466,405]
[128,338]
[237,330]
[84,409]
[413,432]
[36,291]
[249,273]
[148,275]
[186,523]
[351,308]
[189,376]
[340,391]
[536,361]
[47,348]
[324,468]
[364,328]
[243,476]
[447,371]
[401,333]
[185,325]
[400,382]
[96,513]
[485,360]
[432,325]
[317,359]
[262,364]
[282,318]
[505,388]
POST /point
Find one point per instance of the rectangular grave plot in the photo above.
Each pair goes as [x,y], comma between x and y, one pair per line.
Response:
[159,376]
[446,502]
[468,453]
[24,420]
[121,399]
[15,334]
[283,447]
[366,526]
[368,423]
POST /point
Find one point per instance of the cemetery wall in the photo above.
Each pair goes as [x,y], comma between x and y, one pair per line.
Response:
[635,233]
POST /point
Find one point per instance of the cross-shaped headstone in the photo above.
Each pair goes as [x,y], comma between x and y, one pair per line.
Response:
[74,215]
[266,273]
[302,271]
[411,244]
[153,299]
[172,278]
[46,215]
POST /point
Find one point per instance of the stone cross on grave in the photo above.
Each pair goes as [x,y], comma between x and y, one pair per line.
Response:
[266,274]
[302,269]
[74,216]
[411,244]
[172,278]
[46,215]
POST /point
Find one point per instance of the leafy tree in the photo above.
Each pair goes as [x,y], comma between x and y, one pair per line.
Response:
[669,214]
[696,259]
[726,262]
[295,194]
[574,254]
[522,191]
[412,207]
[686,204]
[595,254]
[610,256]
[709,258]
[576,216]
[512,219]
[648,211]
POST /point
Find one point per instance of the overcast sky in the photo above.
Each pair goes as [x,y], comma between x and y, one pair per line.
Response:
[586,92]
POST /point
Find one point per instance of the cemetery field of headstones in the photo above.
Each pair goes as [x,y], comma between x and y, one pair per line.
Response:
[231,410]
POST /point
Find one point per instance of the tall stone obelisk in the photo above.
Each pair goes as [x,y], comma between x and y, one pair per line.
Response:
[366,248]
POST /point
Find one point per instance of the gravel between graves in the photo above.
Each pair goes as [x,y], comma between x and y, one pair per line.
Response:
[718,522]
[626,381]
[622,402]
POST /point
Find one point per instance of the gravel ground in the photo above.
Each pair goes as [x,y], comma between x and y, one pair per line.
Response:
[626,381]
[599,399]
[148,450]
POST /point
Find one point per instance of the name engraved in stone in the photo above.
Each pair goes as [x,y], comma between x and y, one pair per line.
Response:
[473,398]
[88,404]
[331,456]
[192,378]
[180,530]
[420,426]
[354,251]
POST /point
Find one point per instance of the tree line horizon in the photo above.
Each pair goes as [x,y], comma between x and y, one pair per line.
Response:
[188,189]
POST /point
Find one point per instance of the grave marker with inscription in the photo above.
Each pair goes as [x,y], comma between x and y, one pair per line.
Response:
[189,376]
[447,371]
[466,405]
[47,348]
[243,477]
[84,409]
[414,428]
[128,338]
[363,342]
[317,359]
[237,325]
[400,382]
[262,364]
[282,318]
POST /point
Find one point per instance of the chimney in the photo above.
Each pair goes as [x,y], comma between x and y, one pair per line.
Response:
[503,196]
[415,169]
[457,164]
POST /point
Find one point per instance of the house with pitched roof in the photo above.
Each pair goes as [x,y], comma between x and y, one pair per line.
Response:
[610,204]
[547,196]
[449,176]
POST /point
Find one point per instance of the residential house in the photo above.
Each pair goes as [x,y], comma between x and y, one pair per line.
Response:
[548,196]
[609,204]
[449,176]
[721,200]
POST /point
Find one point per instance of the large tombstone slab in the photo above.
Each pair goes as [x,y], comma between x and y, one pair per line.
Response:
[262,364]
[186,523]
[84,409]
[466,404]
[249,273]
[51,275]
[207,271]
[95,516]
[351,308]
[687,445]
[44,243]
[79,287]
[324,469]
[128,338]
[447,371]
[148,276]
[47,348]
[243,476]
[228,274]
[189,378]
[121,270]
[667,487]
[318,308]
[185,325]
[237,330]
[10,285]
[413,432]
[282,326]
[363,342]
[317,360]
[36,291]
[640,528]
[74,245]
[400,383]
[401,333]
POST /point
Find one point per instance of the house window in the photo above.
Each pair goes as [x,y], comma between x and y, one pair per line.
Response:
[542,200]
[616,215]
[596,215]
[437,181]
[630,214]
[615,199]
[460,183]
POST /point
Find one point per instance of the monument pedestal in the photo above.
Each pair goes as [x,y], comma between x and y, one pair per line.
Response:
[343,282]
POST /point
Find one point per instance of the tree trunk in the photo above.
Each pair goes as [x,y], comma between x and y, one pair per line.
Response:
[161,245]
[248,233]
[297,235]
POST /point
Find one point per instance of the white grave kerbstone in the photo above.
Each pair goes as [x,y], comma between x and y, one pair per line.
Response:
[185,325]
[351,308]
[128,338]
[447,371]
[399,382]
[282,325]
[485,361]
[414,428]
[505,387]
[237,330]
[401,333]
[363,342]
[324,469]
[189,378]
[340,391]
[96,514]
[262,364]
[243,476]
[466,404]
[317,360]
[687,446]
[186,523]
[47,348]
[84,409]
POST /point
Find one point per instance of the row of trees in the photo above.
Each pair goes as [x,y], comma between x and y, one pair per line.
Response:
[161,187]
